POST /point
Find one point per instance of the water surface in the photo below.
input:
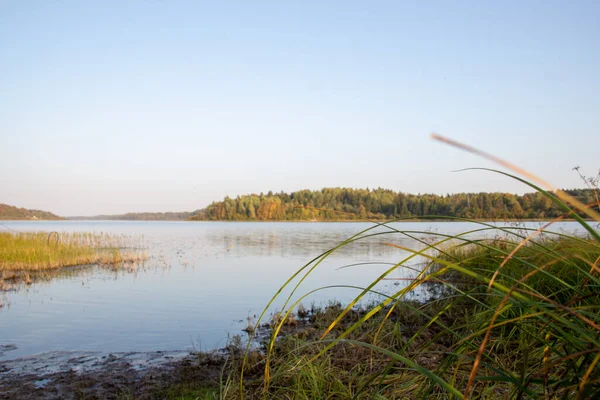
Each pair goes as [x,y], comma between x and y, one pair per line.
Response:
[200,284]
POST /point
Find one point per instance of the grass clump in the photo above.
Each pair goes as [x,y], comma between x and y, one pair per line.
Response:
[24,253]
[513,317]
[509,320]
[346,371]
[533,325]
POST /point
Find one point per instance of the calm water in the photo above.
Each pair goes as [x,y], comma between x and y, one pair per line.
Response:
[201,282]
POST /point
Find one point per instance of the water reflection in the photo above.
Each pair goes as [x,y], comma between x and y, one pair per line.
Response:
[199,282]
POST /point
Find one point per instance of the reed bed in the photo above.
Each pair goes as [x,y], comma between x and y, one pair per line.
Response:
[41,251]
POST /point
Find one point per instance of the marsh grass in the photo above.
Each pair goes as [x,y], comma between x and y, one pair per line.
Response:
[516,315]
[532,308]
[25,255]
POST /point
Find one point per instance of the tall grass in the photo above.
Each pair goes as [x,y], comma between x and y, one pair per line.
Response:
[44,251]
[516,316]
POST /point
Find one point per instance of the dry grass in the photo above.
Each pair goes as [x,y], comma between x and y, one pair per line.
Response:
[46,251]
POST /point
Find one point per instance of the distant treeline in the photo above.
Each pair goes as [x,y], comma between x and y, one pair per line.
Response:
[356,204]
[14,213]
[143,216]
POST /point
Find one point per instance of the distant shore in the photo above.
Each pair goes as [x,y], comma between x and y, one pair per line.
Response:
[448,219]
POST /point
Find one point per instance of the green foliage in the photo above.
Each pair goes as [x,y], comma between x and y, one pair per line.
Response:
[383,204]
[513,317]
[14,213]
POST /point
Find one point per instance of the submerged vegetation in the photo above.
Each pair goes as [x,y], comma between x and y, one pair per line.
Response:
[22,254]
[382,204]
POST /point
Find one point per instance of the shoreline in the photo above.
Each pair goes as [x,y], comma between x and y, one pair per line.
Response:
[89,374]
[448,219]
[75,374]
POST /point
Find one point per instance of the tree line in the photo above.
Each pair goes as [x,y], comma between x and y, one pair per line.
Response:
[143,216]
[383,204]
[15,213]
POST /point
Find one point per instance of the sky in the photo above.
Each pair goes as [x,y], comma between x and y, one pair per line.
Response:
[119,106]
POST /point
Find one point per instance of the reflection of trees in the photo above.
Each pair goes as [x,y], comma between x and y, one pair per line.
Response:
[262,242]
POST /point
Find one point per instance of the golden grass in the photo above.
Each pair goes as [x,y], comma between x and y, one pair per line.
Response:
[45,251]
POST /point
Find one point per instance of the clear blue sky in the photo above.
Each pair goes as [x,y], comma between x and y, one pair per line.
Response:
[116,106]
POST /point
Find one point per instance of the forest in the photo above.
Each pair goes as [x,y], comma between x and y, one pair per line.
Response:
[382,204]
[143,216]
[15,213]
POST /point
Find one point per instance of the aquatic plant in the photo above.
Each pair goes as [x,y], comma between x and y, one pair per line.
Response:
[516,315]
[39,251]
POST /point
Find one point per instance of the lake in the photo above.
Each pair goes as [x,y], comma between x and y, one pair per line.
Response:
[200,284]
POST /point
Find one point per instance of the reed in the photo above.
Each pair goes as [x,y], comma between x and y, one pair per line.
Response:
[46,251]
[516,316]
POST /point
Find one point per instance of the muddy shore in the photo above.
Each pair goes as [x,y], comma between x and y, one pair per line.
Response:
[120,375]
[97,375]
